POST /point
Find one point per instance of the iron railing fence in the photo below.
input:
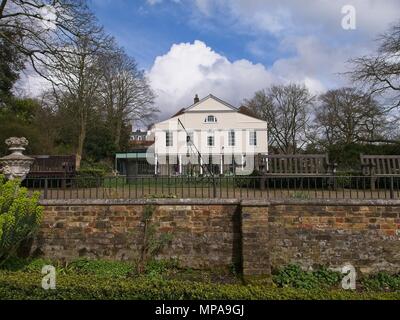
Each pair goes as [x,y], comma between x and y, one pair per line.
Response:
[226,187]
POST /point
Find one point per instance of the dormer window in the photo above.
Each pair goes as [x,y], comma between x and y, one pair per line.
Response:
[210,119]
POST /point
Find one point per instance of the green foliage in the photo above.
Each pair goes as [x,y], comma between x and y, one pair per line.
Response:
[11,63]
[153,242]
[343,180]
[26,286]
[300,195]
[381,282]
[90,176]
[99,143]
[20,216]
[99,268]
[293,276]
[15,263]
[159,268]
[99,279]
[347,156]
[18,119]
[250,181]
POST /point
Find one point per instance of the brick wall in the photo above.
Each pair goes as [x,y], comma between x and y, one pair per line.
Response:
[253,235]
[365,234]
[203,234]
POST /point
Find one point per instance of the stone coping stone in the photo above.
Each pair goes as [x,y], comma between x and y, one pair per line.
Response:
[244,203]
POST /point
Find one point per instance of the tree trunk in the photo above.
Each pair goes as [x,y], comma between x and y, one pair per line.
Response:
[2,6]
[81,142]
[118,129]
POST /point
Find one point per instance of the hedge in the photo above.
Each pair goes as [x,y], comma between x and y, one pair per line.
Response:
[26,286]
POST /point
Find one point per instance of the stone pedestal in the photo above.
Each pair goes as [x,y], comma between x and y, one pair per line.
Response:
[16,165]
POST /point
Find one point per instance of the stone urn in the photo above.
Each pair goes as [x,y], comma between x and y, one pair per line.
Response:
[16,165]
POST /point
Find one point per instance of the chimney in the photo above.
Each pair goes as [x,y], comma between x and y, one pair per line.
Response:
[196,99]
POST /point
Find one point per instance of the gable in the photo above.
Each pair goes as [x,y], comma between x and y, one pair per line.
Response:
[210,104]
[227,115]
[226,120]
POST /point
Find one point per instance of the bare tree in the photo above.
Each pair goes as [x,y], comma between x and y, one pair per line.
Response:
[287,111]
[381,72]
[44,27]
[77,77]
[348,116]
[125,92]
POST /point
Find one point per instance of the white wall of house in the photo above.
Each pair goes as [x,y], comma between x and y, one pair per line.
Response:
[227,119]
[195,120]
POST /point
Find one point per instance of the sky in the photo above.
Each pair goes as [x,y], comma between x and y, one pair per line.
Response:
[232,48]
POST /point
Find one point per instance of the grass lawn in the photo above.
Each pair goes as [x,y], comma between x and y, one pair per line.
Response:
[87,280]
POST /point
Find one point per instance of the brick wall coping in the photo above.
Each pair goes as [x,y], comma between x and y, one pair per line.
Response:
[246,203]
[118,202]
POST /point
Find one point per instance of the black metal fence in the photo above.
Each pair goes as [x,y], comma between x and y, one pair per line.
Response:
[233,187]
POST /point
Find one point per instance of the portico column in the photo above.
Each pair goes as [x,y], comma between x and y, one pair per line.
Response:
[180,164]
[201,165]
[156,164]
[222,165]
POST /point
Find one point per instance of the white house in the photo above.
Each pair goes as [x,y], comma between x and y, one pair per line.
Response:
[209,136]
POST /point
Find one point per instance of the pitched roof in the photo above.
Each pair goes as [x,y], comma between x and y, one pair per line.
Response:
[210,96]
[182,111]
[242,110]
[250,113]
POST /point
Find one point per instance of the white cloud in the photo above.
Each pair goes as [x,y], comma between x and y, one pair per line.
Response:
[153,2]
[288,16]
[194,68]
[314,64]
[30,84]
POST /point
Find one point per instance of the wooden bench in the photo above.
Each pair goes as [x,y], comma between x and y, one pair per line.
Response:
[379,166]
[295,165]
[53,166]
[52,171]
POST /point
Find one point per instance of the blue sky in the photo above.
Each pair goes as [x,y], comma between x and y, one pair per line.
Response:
[232,48]
[147,30]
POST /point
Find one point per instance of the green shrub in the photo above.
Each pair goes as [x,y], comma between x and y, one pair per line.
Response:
[20,217]
[300,195]
[344,180]
[293,276]
[381,282]
[26,286]
[15,263]
[100,268]
[153,242]
[251,181]
[155,268]
[90,177]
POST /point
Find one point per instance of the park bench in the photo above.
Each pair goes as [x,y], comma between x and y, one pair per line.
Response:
[380,165]
[53,166]
[295,165]
[52,171]
[291,167]
[376,166]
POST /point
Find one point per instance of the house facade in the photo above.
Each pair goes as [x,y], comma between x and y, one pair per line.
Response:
[138,135]
[208,137]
